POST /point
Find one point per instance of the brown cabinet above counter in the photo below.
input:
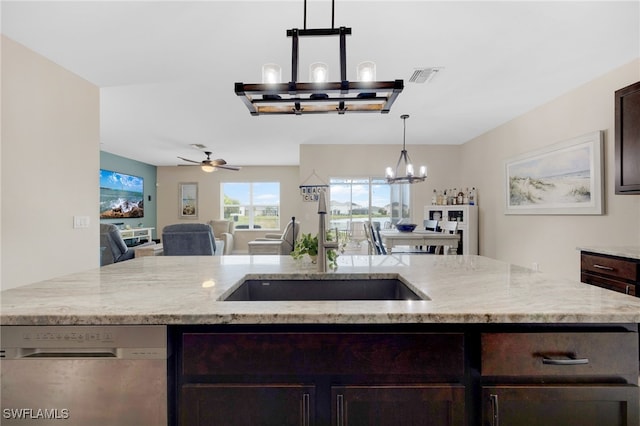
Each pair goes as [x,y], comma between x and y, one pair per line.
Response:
[618,273]
[627,136]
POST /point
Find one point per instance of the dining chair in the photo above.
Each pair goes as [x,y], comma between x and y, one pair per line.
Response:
[448,227]
[377,239]
[371,245]
[430,225]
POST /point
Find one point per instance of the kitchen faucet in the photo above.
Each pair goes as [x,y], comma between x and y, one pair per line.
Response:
[323,244]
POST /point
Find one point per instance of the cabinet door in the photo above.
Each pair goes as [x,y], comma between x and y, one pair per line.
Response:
[627,135]
[247,405]
[432,405]
[558,405]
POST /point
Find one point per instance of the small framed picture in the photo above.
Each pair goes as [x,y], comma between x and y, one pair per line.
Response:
[188,200]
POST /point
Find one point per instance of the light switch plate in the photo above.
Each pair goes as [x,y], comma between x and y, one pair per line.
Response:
[81,222]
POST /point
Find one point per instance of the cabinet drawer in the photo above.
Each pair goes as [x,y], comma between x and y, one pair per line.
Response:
[427,354]
[619,268]
[560,405]
[609,283]
[614,355]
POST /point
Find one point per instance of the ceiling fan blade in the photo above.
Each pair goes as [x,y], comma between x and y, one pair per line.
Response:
[191,161]
[235,168]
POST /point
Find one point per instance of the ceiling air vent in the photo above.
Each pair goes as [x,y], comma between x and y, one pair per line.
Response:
[198,146]
[424,75]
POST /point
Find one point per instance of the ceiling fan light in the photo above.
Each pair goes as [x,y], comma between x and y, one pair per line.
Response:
[208,168]
[271,74]
[366,71]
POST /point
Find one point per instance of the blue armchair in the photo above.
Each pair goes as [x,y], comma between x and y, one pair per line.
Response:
[188,239]
[114,248]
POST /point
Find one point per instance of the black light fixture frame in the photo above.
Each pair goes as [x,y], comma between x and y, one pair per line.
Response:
[314,98]
[404,159]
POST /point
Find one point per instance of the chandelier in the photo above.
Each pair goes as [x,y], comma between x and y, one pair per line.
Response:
[392,175]
[319,95]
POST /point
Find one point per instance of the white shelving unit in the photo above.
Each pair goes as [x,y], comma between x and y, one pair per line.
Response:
[467,218]
[137,234]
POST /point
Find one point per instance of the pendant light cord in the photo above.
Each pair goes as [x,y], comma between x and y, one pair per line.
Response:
[333,14]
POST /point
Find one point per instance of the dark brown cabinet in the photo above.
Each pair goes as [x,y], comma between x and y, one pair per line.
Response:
[418,405]
[420,374]
[557,405]
[321,378]
[559,379]
[627,134]
[247,404]
[611,272]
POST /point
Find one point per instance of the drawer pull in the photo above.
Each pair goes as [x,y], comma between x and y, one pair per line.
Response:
[604,268]
[340,410]
[564,361]
[305,410]
[495,412]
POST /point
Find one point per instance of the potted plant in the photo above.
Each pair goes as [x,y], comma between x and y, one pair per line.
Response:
[308,244]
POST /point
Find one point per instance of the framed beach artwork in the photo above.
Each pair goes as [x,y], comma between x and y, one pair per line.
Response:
[561,179]
[188,200]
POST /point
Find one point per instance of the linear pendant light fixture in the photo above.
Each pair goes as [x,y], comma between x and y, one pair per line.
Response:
[294,97]
[404,160]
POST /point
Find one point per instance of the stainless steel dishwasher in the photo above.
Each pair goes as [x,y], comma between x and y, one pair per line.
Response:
[83,375]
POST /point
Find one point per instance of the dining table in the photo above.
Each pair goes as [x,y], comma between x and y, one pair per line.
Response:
[418,238]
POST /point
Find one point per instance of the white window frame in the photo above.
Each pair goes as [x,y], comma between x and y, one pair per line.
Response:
[251,208]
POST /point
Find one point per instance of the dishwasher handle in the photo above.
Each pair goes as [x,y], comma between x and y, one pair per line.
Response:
[32,353]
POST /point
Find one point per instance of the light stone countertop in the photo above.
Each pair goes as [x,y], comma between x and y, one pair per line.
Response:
[631,252]
[186,290]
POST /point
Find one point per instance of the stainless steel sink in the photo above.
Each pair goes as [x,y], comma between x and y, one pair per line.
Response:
[322,289]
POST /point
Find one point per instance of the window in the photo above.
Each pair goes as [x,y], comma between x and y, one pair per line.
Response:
[252,205]
[362,199]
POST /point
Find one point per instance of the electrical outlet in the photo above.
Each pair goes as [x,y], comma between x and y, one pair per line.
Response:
[80,222]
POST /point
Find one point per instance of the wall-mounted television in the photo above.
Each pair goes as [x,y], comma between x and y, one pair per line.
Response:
[121,195]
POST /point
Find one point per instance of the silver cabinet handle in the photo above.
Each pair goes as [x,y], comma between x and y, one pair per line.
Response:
[340,411]
[495,413]
[606,268]
[305,410]
[564,361]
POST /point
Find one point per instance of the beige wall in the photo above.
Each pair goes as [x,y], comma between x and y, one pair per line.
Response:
[50,162]
[209,202]
[551,241]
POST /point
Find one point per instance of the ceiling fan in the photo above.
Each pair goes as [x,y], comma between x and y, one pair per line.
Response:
[210,165]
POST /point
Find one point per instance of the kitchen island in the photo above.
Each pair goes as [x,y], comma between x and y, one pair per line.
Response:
[489,342]
[187,290]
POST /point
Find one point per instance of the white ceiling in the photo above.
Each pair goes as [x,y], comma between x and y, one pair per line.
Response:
[166,69]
